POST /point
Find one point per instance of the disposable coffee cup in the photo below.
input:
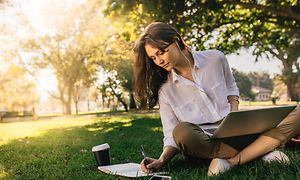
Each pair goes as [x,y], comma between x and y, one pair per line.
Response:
[101,153]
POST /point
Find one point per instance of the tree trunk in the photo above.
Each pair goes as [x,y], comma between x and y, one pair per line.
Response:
[290,79]
[76,106]
[67,107]
[68,104]
[119,98]
[123,103]
[108,103]
[132,104]
[292,92]
[103,100]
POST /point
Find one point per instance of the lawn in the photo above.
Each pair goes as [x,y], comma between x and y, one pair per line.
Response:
[60,148]
[266,103]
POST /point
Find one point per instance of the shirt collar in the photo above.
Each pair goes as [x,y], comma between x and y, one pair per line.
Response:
[197,64]
[175,76]
[197,59]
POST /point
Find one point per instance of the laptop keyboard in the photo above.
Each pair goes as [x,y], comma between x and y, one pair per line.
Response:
[211,131]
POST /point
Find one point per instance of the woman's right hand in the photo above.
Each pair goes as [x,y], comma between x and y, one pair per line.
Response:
[154,165]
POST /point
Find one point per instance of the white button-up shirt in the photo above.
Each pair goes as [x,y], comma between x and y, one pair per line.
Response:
[199,102]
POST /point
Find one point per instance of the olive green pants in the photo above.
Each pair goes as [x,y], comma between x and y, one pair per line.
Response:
[193,142]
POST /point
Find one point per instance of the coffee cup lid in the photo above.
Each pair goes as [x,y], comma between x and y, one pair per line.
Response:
[100,147]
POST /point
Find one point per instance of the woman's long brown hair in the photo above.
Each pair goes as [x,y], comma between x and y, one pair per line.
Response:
[148,77]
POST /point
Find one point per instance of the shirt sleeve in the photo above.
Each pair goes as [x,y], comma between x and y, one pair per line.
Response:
[169,121]
[232,88]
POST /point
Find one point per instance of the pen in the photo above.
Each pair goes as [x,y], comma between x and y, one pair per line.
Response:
[146,162]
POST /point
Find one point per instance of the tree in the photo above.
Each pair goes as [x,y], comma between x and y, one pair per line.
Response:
[118,62]
[280,88]
[111,87]
[74,64]
[261,79]
[272,27]
[73,51]
[79,87]
[244,84]
[17,92]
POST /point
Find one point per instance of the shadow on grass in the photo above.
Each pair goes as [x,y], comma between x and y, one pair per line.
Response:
[65,153]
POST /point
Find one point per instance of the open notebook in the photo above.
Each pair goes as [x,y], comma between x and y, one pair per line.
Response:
[131,170]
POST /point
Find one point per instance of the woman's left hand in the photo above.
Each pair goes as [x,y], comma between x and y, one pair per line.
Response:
[234,103]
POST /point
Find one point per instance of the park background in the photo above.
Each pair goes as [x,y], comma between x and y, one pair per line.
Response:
[66,76]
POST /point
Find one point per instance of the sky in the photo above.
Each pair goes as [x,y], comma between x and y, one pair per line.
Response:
[245,62]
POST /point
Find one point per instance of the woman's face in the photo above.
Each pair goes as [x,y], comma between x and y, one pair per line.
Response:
[166,59]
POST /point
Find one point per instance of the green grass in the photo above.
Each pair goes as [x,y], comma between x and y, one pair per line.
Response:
[266,103]
[60,148]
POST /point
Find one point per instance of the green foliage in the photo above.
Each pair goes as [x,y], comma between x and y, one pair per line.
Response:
[235,23]
[244,84]
[271,27]
[17,92]
[117,64]
[117,58]
[261,79]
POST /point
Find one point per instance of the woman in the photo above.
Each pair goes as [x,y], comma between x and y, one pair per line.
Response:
[193,88]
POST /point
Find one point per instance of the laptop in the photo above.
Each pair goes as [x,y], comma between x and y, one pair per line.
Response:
[247,122]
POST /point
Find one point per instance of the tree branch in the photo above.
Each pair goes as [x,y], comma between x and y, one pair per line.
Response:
[275,54]
[34,76]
